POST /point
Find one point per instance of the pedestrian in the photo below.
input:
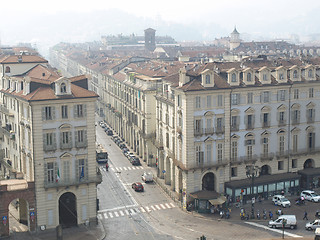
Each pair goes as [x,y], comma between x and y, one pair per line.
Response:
[270,214]
[107,166]
[305,217]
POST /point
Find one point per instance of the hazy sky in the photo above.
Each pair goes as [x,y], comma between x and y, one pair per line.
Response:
[175,10]
[30,20]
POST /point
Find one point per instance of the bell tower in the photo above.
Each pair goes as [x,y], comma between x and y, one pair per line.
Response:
[234,39]
[150,39]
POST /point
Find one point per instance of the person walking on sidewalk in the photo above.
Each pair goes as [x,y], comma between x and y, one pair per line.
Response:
[305,217]
[107,166]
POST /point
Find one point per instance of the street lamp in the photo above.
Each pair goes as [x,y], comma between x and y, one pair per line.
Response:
[252,171]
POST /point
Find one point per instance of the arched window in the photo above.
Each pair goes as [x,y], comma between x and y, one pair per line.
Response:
[8,70]
[249,77]
[233,77]
[208,80]
[295,74]
[63,88]
[310,73]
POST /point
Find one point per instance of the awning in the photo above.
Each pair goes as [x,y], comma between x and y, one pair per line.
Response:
[205,195]
[218,201]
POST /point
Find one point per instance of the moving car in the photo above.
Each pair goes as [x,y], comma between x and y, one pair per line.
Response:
[137,186]
[291,222]
[147,177]
[280,200]
[313,225]
[135,161]
[310,196]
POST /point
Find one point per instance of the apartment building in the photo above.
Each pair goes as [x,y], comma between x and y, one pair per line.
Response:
[226,117]
[47,121]
[215,121]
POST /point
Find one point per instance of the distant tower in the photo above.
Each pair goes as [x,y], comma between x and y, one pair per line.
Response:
[234,39]
[150,39]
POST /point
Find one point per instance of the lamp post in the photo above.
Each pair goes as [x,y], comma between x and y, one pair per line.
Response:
[252,172]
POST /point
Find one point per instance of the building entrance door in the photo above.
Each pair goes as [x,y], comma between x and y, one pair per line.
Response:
[68,210]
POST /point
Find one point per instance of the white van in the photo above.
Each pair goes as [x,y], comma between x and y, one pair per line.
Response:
[147,177]
[291,222]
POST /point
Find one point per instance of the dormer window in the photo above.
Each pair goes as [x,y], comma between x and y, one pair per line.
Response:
[249,77]
[310,73]
[281,76]
[63,88]
[233,77]
[295,74]
[265,77]
[8,70]
[208,79]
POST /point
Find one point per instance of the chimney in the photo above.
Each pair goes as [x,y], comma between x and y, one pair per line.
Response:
[183,79]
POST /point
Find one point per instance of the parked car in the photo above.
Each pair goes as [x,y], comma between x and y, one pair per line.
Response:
[147,177]
[109,133]
[114,138]
[125,151]
[135,161]
[130,155]
[137,186]
[313,225]
[122,145]
[291,222]
[280,200]
[310,196]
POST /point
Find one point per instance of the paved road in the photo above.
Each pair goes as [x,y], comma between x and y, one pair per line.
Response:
[152,215]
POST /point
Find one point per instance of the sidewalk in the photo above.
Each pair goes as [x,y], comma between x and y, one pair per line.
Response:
[81,232]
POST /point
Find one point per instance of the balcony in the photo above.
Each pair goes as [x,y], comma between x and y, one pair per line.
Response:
[249,127]
[282,154]
[282,123]
[249,159]
[234,127]
[305,151]
[310,119]
[219,130]
[159,144]
[75,182]
[266,156]
[209,131]
[202,164]
[179,129]
[4,109]
[198,132]
[265,124]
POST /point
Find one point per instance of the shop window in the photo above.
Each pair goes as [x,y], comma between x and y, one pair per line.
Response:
[280,165]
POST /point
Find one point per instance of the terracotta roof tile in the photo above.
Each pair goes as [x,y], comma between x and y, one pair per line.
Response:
[24,59]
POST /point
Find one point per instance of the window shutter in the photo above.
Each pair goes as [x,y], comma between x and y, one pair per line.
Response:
[278,95]
[54,141]
[77,170]
[75,111]
[253,141]
[61,140]
[246,120]
[238,120]
[76,141]
[298,115]
[53,109]
[85,138]
[70,139]
[86,169]
[278,116]
[84,110]
[45,141]
[260,97]
[55,171]
[43,113]
[238,98]
[245,142]
[46,172]
[253,119]
[222,123]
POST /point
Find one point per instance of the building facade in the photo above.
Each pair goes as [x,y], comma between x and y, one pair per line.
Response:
[49,120]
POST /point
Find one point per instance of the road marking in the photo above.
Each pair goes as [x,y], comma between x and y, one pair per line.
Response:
[274,230]
[121,213]
[132,212]
[162,206]
[117,208]
[129,168]
[112,169]
[148,209]
[105,215]
[124,168]
[142,209]
[127,212]
[117,169]
[110,214]
[168,206]
[157,206]
[133,168]
[141,167]
[172,204]
[116,213]
[153,208]
[137,210]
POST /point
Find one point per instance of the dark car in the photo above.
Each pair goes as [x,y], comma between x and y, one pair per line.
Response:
[135,161]
[137,186]
[125,150]
[122,146]
[109,133]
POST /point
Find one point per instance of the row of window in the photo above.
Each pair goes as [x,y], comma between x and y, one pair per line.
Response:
[49,112]
[236,98]
[55,173]
[249,143]
[50,142]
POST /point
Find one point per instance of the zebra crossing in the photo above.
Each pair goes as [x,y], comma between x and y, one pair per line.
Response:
[120,169]
[109,214]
